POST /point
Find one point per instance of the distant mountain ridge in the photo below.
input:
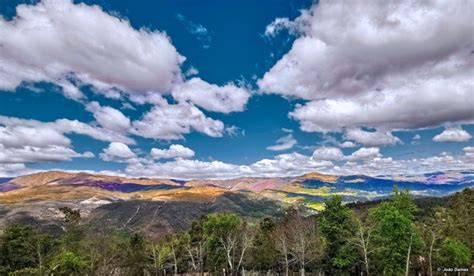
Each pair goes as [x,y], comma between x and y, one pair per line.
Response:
[308,188]
[159,206]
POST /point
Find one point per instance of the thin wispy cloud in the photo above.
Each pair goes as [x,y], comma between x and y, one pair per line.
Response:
[199,31]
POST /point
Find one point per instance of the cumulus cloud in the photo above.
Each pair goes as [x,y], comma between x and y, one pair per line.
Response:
[227,98]
[31,154]
[453,134]
[284,143]
[174,151]
[108,117]
[368,161]
[56,41]
[328,153]
[364,154]
[166,121]
[118,152]
[56,130]
[385,79]
[347,144]
[282,165]
[469,151]
[372,138]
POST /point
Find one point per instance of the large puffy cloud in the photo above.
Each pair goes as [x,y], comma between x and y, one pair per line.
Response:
[165,121]
[364,154]
[372,138]
[72,45]
[56,40]
[24,141]
[119,152]
[328,153]
[108,117]
[428,104]
[227,98]
[174,151]
[453,134]
[367,70]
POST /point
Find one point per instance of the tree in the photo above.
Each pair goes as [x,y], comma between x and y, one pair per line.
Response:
[232,234]
[17,248]
[364,243]
[195,244]
[434,229]
[22,247]
[395,234]
[297,240]
[454,253]
[159,253]
[263,253]
[338,228]
[68,263]
[74,234]
[136,254]
[460,209]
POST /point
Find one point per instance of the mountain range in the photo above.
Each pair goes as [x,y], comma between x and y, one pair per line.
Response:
[170,204]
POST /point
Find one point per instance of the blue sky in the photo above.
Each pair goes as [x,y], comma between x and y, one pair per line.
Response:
[220,89]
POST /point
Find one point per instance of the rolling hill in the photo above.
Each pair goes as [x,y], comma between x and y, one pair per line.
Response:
[151,204]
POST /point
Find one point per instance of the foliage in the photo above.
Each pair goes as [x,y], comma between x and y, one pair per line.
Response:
[388,237]
[454,253]
[338,227]
[395,234]
[68,263]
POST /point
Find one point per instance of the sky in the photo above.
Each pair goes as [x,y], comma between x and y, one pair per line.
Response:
[222,89]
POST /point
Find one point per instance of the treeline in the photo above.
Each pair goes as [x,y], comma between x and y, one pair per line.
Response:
[390,238]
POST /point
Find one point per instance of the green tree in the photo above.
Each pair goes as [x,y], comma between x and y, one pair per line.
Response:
[22,247]
[338,228]
[461,210]
[454,253]
[395,235]
[136,257]
[263,253]
[231,235]
[68,263]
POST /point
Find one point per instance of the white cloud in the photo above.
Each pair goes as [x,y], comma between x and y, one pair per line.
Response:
[282,165]
[174,151]
[165,121]
[364,154]
[13,170]
[469,151]
[328,153]
[372,138]
[65,126]
[347,144]
[385,79]
[56,40]
[366,161]
[198,30]
[453,134]
[227,98]
[32,154]
[108,117]
[284,143]
[118,152]
[18,136]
